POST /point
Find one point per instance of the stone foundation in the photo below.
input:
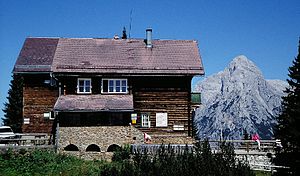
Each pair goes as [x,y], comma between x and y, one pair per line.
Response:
[102,136]
[106,136]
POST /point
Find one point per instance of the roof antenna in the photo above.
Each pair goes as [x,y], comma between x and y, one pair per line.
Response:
[130,24]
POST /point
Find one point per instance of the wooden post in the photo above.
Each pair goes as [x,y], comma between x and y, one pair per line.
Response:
[189,107]
[57,135]
[193,118]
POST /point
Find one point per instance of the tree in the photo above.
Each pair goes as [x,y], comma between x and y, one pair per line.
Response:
[14,105]
[124,36]
[288,130]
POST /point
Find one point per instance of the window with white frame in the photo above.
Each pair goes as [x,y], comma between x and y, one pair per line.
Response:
[114,86]
[145,120]
[84,85]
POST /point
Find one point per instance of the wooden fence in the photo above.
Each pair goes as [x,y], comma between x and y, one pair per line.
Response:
[247,145]
[27,141]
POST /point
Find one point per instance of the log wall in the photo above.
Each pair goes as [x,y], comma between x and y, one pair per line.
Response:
[151,95]
[38,98]
[163,95]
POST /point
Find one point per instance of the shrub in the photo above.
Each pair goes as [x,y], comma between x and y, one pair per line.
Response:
[199,162]
[45,163]
[122,154]
[165,162]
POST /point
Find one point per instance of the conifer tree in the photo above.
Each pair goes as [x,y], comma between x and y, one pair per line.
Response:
[14,105]
[288,128]
[124,36]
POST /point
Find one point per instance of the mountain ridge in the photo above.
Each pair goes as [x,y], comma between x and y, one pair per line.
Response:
[236,99]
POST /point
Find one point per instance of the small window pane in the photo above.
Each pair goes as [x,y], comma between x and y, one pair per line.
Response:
[87,83]
[81,89]
[87,89]
[117,82]
[111,86]
[111,83]
[124,86]
[124,83]
[111,89]
[81,82]
[118,88]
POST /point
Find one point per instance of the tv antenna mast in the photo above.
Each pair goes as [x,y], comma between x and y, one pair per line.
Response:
[129,36]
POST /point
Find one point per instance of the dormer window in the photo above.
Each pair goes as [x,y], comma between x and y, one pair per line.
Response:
[84,86]
[114,86]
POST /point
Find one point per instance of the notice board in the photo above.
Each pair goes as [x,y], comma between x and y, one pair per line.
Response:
[161,119]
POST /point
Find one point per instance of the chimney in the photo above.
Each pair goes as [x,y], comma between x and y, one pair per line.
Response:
[149,38]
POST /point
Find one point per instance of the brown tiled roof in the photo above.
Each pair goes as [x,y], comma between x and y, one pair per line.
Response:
[131,56]
[36,55]
[94,103]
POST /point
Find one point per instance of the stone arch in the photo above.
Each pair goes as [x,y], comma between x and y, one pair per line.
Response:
[113,148]
[71,147]
[93,148]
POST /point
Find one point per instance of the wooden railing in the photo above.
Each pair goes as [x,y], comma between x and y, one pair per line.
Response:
[268,168]
[240,146]
[247,145]
[24,142]
[27,141]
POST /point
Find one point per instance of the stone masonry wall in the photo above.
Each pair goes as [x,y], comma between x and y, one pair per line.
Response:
[102,136]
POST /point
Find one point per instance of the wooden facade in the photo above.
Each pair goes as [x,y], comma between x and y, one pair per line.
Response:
[163,95]
[150,95]
[157,77]
[38,98]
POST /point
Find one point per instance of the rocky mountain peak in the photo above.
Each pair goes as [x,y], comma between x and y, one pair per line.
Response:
[242,66]
[241,61]
[238,98]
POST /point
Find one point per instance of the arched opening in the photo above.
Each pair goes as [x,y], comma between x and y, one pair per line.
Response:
[71,147]
[113,148]
[93,148]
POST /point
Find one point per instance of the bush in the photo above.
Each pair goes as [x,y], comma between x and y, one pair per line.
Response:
[164,162]
[200,162]
[122,154]
[44,163]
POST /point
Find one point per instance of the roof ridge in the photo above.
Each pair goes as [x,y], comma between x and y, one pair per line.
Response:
[44,37]
[31,37]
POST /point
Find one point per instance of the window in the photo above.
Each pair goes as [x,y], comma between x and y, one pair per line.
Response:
[145,120]
[84,85]
[114,85]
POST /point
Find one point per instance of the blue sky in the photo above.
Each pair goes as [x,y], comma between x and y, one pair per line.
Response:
[266,31]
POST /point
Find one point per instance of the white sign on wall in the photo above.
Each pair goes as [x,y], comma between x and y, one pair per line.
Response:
[26,121]
[161,119]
